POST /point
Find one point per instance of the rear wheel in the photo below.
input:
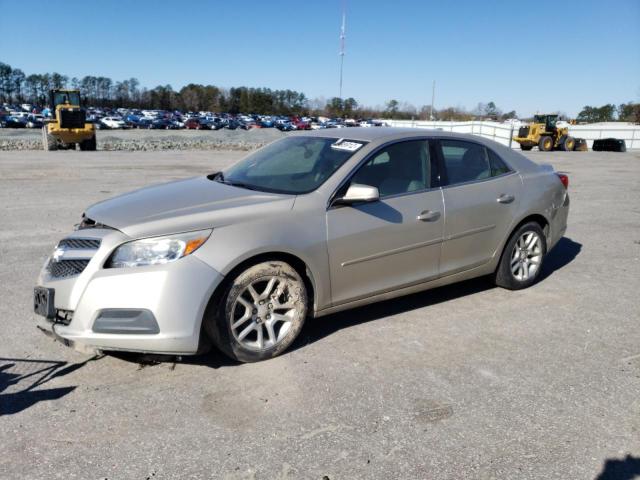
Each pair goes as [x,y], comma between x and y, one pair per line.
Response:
[545,144]
[260,314]
[569,144]
[521,260]
[49,142]
[526,148]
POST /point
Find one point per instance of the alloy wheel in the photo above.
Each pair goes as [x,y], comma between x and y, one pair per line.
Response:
[526,256]
[262,314]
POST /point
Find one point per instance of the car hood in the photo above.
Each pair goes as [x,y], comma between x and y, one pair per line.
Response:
[185,205]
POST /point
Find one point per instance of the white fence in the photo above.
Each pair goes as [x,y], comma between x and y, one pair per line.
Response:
[503,133]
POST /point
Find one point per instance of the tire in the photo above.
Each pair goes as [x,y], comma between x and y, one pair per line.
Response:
[526,148]
[520,264]
[249,326]
[545,144]
[48,141]
[568,144]
[88,145]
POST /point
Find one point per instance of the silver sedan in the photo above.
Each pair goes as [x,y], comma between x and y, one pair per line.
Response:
[309,225]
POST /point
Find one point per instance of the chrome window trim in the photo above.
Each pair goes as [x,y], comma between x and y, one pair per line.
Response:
[482,180]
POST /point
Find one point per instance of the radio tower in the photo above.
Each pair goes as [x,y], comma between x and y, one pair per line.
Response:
[342,30]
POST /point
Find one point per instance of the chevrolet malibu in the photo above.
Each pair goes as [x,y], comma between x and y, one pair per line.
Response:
[309,225]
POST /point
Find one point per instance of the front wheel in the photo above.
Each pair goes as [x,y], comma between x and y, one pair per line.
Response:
[260,314]
[545,144]
[569,144]
[522,258]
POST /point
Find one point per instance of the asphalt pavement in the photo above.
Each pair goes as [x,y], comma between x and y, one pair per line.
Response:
[465,381]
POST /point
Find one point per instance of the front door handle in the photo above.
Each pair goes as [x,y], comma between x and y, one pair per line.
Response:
[428,216]
[504,198]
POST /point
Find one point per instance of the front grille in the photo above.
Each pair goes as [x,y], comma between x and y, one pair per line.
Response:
[523,132]
[66,268]
[80,243]
[72,118]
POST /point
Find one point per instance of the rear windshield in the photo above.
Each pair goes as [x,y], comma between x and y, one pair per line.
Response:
[293,165]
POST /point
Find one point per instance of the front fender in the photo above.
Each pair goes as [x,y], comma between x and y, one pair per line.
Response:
[303,237]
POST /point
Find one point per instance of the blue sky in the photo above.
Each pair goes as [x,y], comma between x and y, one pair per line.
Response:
[562,56]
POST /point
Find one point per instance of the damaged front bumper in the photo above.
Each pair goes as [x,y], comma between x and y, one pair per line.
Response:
[154,309]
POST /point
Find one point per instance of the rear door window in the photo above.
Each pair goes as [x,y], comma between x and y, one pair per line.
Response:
[470,162]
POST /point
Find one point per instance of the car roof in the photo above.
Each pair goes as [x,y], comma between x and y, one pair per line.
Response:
[385,134]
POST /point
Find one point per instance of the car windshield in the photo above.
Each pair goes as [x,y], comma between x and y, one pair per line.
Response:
[293,165]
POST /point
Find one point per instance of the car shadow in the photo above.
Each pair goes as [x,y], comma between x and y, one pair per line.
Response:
[317,328]
[213,358]
[565,251]
[380,210]
[626,469]
[20,379]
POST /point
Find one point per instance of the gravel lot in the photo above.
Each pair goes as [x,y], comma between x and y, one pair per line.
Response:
[466,381]
[157,140]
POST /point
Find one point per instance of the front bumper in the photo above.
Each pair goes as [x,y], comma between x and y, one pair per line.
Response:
[175,295]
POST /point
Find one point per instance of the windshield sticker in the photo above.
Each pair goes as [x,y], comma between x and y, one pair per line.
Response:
[347,146]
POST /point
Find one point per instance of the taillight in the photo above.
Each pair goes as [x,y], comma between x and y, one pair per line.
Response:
[564,179]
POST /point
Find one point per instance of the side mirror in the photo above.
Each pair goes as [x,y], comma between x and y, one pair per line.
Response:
[359,193]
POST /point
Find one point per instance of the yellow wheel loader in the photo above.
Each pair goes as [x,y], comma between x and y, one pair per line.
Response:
[544,134]
[68,125]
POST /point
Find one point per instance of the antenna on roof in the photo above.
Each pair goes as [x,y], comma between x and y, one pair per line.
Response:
[342,35]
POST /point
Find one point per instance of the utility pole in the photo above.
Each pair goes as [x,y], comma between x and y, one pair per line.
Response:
[433,96]
[342,32]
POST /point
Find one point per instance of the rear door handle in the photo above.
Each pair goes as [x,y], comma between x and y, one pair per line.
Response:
[506,198]
[428,216]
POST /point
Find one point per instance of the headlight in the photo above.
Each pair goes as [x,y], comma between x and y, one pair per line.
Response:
[157,250]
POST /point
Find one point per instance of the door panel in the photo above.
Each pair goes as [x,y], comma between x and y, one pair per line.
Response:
[476,222]
[481,196]
[383,245]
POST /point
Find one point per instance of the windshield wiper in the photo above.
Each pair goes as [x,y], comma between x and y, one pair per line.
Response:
[248,186]
[219,177]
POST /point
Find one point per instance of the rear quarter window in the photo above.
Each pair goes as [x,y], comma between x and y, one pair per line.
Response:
[498,166]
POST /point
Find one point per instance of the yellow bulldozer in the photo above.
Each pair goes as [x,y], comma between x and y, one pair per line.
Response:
[68,126]
[544,133]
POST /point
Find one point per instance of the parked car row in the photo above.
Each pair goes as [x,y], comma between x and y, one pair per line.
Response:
[21,120]
[122,118]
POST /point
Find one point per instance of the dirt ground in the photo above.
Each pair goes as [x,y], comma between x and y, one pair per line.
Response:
[157,140]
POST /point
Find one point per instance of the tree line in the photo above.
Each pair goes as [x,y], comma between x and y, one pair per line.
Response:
[98,91]
[625,112]
[16,87]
